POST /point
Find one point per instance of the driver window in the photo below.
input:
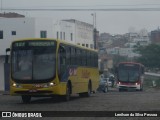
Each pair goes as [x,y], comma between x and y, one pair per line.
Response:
[62,55]
[63,65]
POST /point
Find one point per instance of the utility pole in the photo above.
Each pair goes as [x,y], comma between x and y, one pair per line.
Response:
[93,19]
[94,30]
[1,5]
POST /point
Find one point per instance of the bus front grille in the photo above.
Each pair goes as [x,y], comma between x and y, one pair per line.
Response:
[33,92]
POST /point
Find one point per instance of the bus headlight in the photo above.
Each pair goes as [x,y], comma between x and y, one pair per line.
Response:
[137,83]
[16,85]
[52,84]
[49,85]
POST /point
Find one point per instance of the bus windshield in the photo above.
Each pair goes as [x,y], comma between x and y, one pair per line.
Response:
[128,73]
[33,60]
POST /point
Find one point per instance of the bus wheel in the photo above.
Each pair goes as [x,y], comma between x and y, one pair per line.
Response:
[26,98]
[88,94]
[68,93]
[120,89]
[141,88]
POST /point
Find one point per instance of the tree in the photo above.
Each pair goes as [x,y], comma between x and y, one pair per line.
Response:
[150,56]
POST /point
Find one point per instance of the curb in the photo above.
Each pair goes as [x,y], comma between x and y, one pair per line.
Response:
[4,93]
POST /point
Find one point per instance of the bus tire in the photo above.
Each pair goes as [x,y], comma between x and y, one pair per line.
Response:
[68,92]
[141,88]
[88,93]
[120,89]
[26,98]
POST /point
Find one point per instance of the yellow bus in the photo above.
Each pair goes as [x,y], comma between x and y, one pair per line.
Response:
[51,67]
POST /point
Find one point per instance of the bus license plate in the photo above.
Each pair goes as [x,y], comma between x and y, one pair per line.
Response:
[32,90]
[38,85]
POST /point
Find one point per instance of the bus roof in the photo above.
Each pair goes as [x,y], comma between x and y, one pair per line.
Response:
[131,63]
[57,40]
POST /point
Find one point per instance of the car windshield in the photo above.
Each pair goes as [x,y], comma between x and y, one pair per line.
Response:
[33,63]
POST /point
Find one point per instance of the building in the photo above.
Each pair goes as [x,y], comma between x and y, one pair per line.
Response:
[105,40]
[142,41]
[17,28]
[155,36]
[83,33]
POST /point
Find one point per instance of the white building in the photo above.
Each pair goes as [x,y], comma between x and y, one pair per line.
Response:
[72,31]
[83,33]
[65,31]
[142,41]
[128,52]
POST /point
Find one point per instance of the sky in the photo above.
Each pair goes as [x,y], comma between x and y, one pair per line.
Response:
[108,19]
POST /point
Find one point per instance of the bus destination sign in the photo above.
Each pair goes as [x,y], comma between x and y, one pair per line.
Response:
[34,43]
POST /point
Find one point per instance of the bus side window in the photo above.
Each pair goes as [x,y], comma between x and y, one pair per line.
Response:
[76,60]
[92,59]
[78,57]
[95,60]
[84,58]
[72,56]
[88,58]
[142,70]
[68,55]
[62,60]
[62,55]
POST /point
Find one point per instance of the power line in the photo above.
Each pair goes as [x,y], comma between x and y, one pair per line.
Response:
[81,9]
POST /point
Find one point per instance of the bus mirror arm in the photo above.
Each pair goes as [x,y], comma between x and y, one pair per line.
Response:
[8,50]
[7,56]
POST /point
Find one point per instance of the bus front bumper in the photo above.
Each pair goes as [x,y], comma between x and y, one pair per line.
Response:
[128,87]
[32,90]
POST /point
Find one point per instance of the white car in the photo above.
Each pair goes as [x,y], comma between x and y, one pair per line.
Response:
[109,82]
[103,86]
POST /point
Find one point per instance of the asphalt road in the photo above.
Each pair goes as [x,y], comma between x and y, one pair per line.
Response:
[147,100]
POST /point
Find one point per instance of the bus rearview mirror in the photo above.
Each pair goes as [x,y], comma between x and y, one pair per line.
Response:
[7,56]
